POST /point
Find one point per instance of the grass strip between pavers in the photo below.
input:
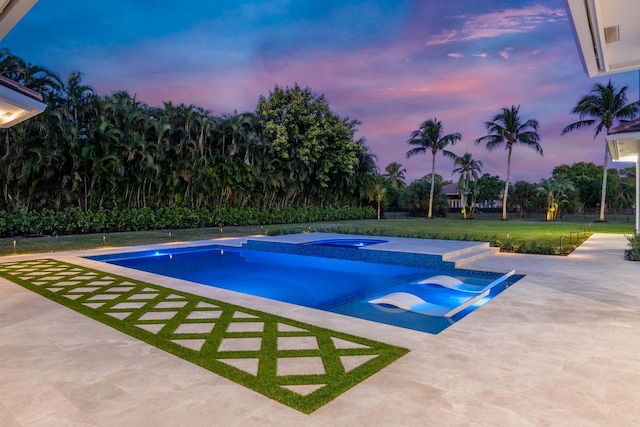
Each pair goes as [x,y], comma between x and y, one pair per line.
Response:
[298,364]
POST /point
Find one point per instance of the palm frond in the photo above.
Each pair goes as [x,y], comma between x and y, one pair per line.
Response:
[416,151]
[578,125]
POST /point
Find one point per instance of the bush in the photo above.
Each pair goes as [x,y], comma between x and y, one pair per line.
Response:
[634,244]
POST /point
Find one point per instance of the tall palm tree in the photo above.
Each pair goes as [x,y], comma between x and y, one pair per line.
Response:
[601,108]
[468,168]
[508,128]
[429,138]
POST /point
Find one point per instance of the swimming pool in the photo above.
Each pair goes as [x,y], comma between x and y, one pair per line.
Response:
[336,285]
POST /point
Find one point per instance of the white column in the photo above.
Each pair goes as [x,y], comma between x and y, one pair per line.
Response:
[638,191]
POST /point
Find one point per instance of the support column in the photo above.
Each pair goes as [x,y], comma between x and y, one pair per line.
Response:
[638,191]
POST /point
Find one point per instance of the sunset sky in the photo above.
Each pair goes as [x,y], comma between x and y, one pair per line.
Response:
[390,64]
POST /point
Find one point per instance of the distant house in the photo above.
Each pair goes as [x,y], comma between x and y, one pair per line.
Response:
[453,195]
[455,201]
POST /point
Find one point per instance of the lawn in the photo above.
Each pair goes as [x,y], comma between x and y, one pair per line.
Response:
[558,237]
[512,235]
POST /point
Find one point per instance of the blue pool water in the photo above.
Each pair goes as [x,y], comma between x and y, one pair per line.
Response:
[336,285]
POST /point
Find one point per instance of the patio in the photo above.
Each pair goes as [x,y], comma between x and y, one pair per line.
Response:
[558,348]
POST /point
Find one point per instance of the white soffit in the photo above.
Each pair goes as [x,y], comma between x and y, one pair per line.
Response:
[624,147]
[17,103]
[607,33]
[624,141]
[624,150]
[11,12]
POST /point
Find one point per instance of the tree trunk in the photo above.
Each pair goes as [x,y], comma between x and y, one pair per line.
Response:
[433,176]
[603,198]
[463,202]
[506,185]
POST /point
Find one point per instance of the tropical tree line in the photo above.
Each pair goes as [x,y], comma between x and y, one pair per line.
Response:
[92,151]
[601,108]
[571,189]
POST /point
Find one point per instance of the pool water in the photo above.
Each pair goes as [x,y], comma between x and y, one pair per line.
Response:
[336,285]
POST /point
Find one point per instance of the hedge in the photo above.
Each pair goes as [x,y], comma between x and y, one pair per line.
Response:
[78,221]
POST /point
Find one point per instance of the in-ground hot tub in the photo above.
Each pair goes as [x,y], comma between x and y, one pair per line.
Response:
[348,242]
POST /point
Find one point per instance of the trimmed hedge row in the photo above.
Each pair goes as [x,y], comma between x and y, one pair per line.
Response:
[77,221]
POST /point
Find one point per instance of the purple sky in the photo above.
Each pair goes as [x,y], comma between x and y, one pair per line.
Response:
[390,64]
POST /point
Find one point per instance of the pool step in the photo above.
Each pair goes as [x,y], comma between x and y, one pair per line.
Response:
[475,253]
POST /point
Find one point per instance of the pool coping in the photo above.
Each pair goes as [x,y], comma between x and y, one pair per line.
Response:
[430,256]
[438,248]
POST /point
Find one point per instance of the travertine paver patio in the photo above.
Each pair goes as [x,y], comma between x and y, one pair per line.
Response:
[297,364]
[558,348]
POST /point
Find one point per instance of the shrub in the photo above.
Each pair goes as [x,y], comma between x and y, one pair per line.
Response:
[634,244]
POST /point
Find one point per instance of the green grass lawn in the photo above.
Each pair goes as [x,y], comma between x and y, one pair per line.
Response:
[93,241]
[514,235]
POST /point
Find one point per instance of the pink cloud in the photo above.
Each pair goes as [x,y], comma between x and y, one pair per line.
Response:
[446,36]
[391,89]
[496,24]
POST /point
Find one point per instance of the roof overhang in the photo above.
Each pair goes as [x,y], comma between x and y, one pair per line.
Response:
[11,12]
[624,141]
[17,103]
[624,150]
[607,33]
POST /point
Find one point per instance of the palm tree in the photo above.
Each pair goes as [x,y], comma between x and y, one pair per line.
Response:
[379,196]
[468,168]
[205,123]
[362,184]
[395,174]
[429,138]
[507,127]
[556,191]
[77,101]
[35,77]
[523,196]
[601,108]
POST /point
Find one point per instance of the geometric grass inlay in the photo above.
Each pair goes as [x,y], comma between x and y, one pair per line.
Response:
[298,364]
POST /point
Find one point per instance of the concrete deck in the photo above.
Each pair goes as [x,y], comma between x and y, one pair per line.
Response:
[558,348]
